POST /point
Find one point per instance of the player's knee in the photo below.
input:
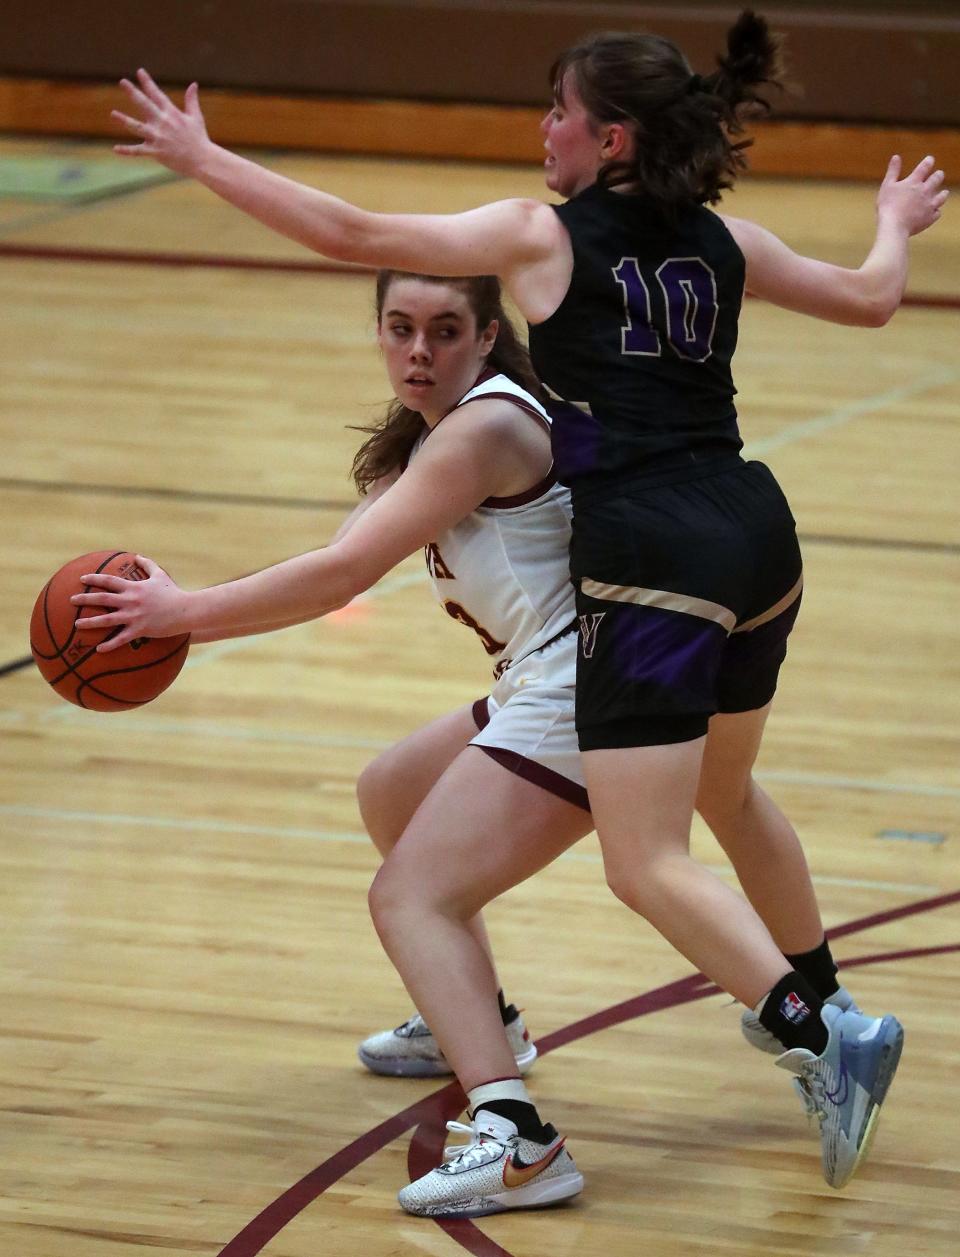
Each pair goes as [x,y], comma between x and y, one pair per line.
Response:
[627,885]
[385,901]
[372,794]
[723,799]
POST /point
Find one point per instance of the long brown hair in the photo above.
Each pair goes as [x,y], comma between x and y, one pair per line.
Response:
[394,436]
[682,123]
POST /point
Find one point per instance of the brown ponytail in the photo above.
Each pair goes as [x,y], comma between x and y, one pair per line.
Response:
[683,124]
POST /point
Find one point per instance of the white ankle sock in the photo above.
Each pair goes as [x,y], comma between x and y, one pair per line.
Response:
[501,1089]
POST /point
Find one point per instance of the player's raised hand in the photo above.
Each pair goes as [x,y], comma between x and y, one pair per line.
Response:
[176,138]
[916,200]
[139,608]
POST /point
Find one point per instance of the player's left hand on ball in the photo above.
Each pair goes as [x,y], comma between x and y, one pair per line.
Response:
[174,137]
[140,608]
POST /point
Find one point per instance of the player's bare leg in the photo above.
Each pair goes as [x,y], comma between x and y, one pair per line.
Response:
[392,787]
[766,854]
[480,831]
[389,792]
[759,841]
[643,801]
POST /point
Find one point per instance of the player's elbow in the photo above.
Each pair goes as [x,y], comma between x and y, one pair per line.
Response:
[878,311]
[874,299]
[345,579]
[360,238]
[343,234]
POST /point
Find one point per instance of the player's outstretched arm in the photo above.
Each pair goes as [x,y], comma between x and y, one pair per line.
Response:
[462,464]
[502,238]
[867,296]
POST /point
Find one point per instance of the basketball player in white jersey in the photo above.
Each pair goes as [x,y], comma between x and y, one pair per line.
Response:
[461,466]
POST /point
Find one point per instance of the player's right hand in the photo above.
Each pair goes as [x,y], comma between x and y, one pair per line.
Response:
[176,138]
[154,607]
[916,200]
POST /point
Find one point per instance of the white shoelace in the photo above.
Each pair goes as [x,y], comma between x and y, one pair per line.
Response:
[482,1148]
[813,1099]
[812,1087]
[416,1025]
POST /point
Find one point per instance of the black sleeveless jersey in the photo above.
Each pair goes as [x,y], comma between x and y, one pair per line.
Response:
[641,344]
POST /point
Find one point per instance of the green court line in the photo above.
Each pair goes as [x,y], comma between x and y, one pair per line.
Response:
[74,181]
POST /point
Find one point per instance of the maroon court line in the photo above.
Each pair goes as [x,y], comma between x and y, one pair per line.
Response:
[426,1146]
[252,1239]
[436,1108]
[144,257]
[894,914]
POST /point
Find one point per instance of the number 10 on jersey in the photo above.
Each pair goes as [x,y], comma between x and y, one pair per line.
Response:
[683,301]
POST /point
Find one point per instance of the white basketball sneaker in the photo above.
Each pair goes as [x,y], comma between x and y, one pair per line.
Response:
[411,1051]
[495,1171]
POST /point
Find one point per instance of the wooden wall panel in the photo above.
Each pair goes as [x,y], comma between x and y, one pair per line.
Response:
[421,129]
[890,61]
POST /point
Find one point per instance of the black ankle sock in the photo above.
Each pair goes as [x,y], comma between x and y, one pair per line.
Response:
[524,1116]
[819,968]
[508,1012]
[791,1012]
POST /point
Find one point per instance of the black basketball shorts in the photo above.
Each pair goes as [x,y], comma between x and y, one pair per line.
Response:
[686,594]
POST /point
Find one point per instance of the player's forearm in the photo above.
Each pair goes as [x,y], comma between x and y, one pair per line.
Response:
[291,592]
[883,276]
[204,636]
[322,222]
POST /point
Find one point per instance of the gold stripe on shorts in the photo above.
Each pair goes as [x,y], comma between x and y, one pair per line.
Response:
[772,612]
[640,597]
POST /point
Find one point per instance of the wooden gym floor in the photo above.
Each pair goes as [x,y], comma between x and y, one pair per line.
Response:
[188,963]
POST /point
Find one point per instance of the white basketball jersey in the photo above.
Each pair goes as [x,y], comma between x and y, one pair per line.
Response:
[504,571]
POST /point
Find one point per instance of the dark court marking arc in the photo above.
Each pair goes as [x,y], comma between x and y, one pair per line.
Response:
[426,1144]
[170,258]
[347,504]
[178,495]
[15,665]
[441,1105]
[142,257]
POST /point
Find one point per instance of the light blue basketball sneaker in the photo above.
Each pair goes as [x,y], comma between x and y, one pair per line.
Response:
[847,1083]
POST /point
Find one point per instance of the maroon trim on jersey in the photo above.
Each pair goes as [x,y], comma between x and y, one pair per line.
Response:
[521,499]
[487,373]
[509,397]
[539,775]
[481,713]
[537,490]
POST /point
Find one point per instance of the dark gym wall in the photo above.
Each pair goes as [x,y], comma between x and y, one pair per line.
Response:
[886,61]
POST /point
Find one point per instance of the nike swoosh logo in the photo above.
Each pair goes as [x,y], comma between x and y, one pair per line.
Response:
[839,1095]
[517,1175]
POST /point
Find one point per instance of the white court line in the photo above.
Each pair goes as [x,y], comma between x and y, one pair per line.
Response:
[206,825]
[211,730]
[202,823]
[843,414]
[788,777]
[239,733]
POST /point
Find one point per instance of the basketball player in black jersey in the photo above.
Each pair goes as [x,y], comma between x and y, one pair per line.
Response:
[685,557]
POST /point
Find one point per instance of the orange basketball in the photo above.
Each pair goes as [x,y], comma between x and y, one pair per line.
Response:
[67,657]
